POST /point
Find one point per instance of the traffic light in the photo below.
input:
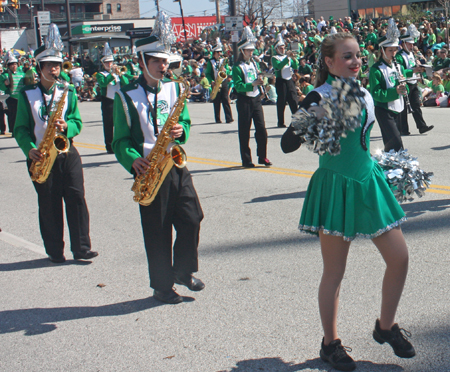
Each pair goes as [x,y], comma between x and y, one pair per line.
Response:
[15,4]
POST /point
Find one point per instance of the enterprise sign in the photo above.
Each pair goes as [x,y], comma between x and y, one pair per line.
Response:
[104,28]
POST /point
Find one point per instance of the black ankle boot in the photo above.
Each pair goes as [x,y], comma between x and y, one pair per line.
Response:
[396,338]
[337,356]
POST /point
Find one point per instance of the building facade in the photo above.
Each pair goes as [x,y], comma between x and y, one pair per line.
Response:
[80,10]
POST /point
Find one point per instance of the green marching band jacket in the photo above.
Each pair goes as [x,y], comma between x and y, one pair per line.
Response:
[17,81]
[134,133]
[211,69]
[108,83]
[244,74]
[283,66]
[31,111]
[383,80]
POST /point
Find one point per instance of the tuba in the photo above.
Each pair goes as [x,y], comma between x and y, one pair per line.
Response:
[221,76]
[147,184]
[52,144]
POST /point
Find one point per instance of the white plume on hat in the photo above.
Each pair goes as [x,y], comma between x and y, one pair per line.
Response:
[107,54]
[248,40]
[218,46]
[392,35]
[279,41]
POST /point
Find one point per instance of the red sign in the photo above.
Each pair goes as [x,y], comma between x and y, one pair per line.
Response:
[194,26]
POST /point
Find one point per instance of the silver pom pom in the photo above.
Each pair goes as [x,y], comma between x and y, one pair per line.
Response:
[403,174]
[343,113]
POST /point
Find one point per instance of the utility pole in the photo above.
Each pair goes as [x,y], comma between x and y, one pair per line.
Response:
[232,11]
[42,4]
[217,11]
[157,5]
[69,27]
[182,18]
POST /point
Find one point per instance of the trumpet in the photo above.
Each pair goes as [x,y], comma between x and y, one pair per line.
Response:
[67,66]
[123,70]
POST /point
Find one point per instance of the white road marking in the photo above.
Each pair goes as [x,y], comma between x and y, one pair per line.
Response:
[19,242]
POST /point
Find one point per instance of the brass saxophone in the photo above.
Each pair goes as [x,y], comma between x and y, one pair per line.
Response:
[221,76]
[147,185]
[52,144]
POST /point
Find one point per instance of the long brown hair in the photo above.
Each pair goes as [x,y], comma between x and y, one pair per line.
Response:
[328,49]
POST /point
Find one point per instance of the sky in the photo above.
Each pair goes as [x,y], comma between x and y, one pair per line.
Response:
[190,7]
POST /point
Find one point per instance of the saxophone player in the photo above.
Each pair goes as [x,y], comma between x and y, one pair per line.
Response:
[140,111]
[214,66]
[110,81]
[65,181]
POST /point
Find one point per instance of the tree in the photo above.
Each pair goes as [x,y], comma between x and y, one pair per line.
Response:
[259,10]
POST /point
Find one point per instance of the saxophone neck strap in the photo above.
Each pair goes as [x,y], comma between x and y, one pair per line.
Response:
[49,106]
[152,109]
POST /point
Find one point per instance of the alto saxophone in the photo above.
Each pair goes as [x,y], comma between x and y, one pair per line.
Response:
[147,185]
[221,76]
[52,144]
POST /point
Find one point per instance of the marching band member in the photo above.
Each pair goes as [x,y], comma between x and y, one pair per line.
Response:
[11,82]
[283,64]
[212,71]
[133,66]
[386,90]
[407,59]
[140,112]
[110,80]
[248,87]
[65,182]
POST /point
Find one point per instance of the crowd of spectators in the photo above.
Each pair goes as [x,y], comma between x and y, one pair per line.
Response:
[304,39]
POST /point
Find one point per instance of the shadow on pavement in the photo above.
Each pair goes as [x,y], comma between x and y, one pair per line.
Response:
[96,154]
[42,320]
[292,195]
[420,207]
[221,169]
[98,164]
[441,148]
[278,365]
[38,264]
[434,344]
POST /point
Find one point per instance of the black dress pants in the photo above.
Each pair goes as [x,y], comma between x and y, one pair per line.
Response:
[414,99]
[108,122]
[176,205]
[222,98]
[12,111]
[65,182]
[285,92]
[2,119]
[250,108]
[389,123]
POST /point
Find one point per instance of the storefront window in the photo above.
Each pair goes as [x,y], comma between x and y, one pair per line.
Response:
[362,13]
[396,9]
[369,13]
[378,12]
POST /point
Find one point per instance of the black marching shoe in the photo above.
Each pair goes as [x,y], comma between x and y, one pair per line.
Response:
[337,356]
[248,165]
[396,338]
[56,259]
[168,297]
[426,129]
[189,281]
[264,161]
[85,255]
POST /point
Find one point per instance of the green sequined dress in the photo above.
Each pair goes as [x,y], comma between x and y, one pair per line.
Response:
[348,195]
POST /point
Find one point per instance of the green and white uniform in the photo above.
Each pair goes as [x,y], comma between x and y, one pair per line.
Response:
[13,89]
[134,132]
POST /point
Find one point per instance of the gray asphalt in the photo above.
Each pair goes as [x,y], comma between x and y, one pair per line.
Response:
[259,309]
